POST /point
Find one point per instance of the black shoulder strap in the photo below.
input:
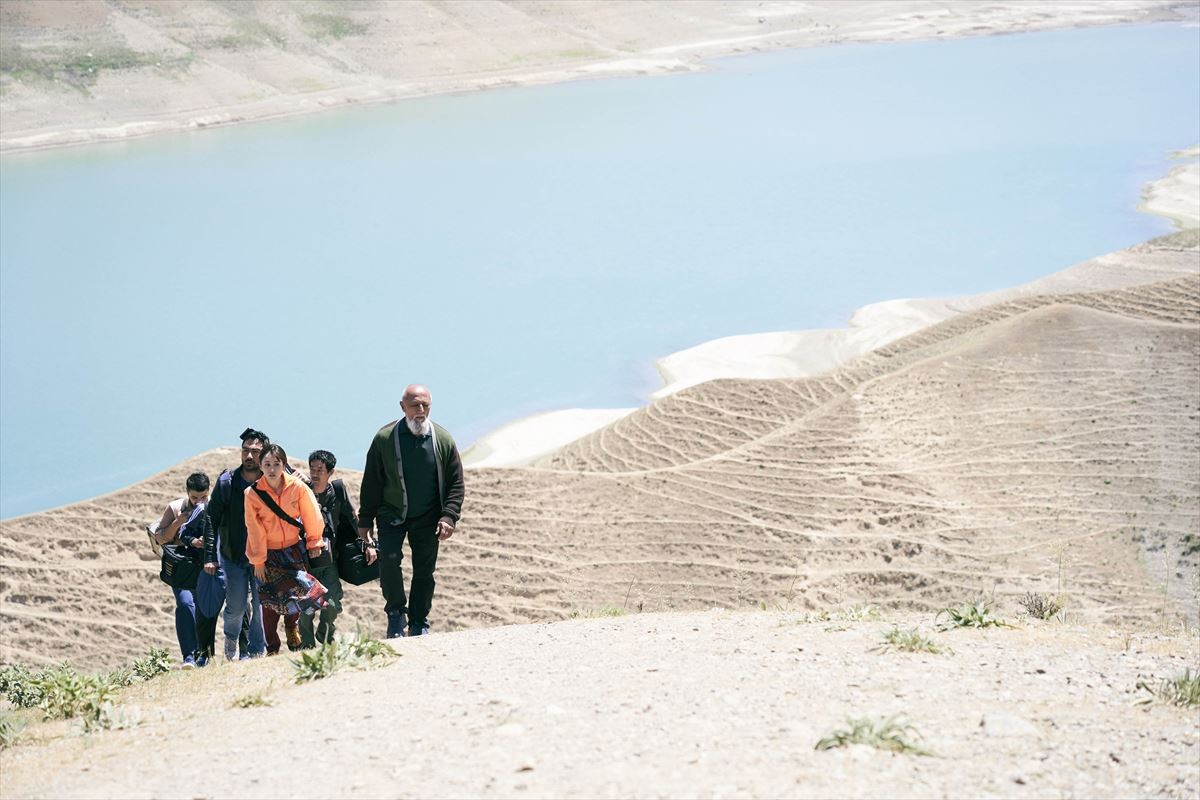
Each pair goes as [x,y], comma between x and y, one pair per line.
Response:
[271,504]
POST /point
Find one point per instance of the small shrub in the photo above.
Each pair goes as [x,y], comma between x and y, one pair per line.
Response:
[910,641]
[1190,545]
[66,694]
[1182,690]
[860,612]
[111,718]
[889,733]
[121,677]
[11,725]
[359,652]
[603,611]
[333,26]
[1042,606]
[154,664]
[255,700]
[20,686]
[976,614]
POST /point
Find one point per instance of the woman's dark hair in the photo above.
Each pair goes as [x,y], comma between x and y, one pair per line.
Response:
[197,482]
[325,457]
[274,450]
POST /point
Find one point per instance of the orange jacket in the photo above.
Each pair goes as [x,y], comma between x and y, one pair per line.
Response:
[266,531]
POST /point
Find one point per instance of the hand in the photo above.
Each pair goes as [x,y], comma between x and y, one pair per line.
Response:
[210,568]
[196,542]
[445,529]
[372,553]
[313,552]
[260,571]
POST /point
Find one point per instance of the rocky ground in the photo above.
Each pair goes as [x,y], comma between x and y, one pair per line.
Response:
[705,704]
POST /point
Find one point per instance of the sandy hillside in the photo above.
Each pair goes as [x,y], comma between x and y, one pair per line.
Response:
[708,704]
[1040,444]
[75,71]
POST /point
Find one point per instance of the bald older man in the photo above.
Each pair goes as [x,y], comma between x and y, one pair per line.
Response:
[412,486]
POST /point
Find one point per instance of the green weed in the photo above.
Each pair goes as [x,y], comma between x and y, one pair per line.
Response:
[80,68]
[359,652]
[892,734]
[910,641]
[603,611]
[1042,606]
[156,663]
[333,26]
[253,700]
[11,725]
[1182,690]
[976,614]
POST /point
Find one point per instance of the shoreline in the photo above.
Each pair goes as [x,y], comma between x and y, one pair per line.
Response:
[806,353]
[673,48]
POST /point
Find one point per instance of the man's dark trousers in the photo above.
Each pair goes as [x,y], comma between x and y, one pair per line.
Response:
[423,540]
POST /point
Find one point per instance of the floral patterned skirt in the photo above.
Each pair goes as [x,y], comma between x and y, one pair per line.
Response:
[289,588]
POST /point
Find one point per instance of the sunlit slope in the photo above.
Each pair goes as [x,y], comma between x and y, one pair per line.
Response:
[1046,444]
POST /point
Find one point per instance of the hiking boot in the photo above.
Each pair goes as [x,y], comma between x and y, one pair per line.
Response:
[231,649]
[418,630]
[293,639]
[396,623]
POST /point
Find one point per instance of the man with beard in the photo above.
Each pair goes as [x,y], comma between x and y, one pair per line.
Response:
[227,514]
[413,486]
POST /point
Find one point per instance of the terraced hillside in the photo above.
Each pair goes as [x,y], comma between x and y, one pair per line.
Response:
[1047,444]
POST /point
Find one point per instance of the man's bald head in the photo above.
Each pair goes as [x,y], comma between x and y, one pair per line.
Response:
[416,402]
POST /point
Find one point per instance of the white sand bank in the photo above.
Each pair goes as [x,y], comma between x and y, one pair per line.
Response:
[1177,195]
[521,442]
[796,354]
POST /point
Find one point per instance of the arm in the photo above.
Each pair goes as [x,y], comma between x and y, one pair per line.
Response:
[192,532]
[256,534]
[346,518]
[314,523]
[168,526]
[456,489]
[371,491]
[215,511]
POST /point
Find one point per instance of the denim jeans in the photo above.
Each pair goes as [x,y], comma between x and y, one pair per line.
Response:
[241,586]
[323,631]
[185,622]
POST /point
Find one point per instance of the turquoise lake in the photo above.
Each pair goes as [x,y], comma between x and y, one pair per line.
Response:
[522,250]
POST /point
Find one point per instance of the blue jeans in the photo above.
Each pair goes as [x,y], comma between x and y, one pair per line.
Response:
[240,584]
[185,622]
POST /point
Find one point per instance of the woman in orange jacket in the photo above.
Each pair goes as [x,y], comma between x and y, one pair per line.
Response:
[279,510]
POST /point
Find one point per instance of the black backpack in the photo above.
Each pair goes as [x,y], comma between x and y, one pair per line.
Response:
[347,547]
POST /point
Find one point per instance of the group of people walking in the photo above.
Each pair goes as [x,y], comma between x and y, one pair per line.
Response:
[267,537]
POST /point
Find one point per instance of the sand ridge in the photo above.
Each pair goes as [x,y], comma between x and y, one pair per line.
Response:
[1042,444]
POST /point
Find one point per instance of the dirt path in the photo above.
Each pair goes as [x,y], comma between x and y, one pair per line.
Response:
[713,704]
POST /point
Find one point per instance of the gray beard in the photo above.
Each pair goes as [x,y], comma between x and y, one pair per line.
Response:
[423,429]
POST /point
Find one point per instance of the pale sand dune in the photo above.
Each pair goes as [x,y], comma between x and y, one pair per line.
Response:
[1042,439]
[208,63]
[521,442]
[799,354]
[710,704]
[1177,195]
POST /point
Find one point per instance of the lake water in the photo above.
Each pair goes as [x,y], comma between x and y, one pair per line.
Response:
[528,249]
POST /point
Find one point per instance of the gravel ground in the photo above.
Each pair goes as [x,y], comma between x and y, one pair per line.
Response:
[712,704]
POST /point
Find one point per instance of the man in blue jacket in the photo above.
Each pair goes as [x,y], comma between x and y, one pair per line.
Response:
[228,517]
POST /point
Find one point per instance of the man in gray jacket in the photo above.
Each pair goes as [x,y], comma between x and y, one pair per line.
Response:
[412,486]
